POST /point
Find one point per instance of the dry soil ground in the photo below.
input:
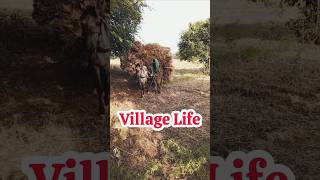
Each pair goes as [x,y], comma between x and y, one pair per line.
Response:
[44,110]
[169,154]
[266,96]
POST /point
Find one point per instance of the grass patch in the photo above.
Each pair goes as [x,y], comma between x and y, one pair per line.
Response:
[180,162]
[119,172]
[187,75]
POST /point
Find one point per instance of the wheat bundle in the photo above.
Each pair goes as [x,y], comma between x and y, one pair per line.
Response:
[64,15]
[143,55]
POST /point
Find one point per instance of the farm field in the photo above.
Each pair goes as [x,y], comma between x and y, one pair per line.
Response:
[45,110]
[171,153]
[266,96]
[48,107]
[45,107]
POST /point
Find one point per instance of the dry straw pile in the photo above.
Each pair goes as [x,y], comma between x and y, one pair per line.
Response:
[143,55]
[64,15]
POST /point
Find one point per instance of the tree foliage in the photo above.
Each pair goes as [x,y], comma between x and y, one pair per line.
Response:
[64,17]
[126,15]
[307,26]
[194,44]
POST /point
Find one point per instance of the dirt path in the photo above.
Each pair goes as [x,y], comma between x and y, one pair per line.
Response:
[163,154]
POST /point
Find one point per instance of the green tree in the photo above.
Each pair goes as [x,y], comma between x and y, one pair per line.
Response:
[307,26]
[126,15]
[194,44]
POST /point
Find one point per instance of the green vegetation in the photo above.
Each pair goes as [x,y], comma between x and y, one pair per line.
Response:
[178,162]
[194,43]
[120,172]
[307,26]
[126,15]
[186,162]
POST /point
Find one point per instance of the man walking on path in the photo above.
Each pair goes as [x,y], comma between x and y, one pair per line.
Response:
[155,67]
[154,72]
